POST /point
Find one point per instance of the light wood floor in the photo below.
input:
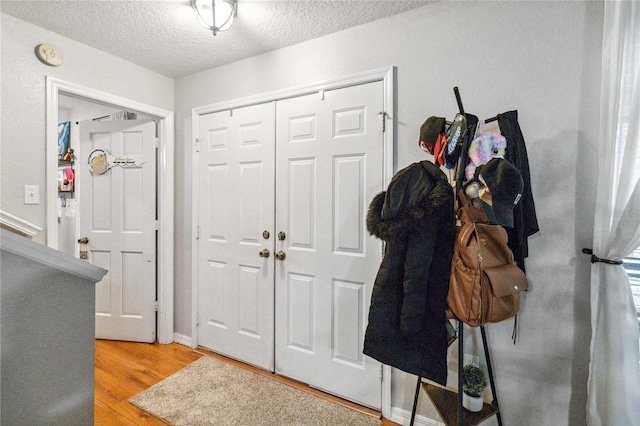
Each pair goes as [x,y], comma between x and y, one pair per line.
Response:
[125,369]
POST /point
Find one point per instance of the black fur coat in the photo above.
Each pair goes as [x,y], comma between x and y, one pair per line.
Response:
[415,217]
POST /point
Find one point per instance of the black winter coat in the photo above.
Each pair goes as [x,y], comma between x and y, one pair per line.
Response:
[415,217]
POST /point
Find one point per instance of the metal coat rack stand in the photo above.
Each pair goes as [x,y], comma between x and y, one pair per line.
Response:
[449,403]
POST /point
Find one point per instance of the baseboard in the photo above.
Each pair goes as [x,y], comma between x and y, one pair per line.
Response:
[403,417]
[182,339]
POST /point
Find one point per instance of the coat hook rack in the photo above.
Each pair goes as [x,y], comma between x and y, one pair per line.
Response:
[443,399]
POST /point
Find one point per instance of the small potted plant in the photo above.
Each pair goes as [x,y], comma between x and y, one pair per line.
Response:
[473,383]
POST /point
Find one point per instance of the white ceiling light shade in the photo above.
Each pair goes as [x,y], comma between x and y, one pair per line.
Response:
[215,15]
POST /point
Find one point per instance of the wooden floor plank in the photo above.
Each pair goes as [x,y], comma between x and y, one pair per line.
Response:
[124,369]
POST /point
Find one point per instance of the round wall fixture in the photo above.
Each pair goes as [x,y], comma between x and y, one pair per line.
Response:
[49,54]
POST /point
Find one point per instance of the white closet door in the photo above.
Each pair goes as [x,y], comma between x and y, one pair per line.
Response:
[235,168]
[329,166]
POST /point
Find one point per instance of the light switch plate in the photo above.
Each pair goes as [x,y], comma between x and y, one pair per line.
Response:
[31,194]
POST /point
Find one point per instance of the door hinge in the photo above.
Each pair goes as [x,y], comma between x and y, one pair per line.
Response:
[197,232]
[156,143]
[156,225]
[321,95]
[381,368]
[156,306]
[198,319]
[383,116]
[197,144]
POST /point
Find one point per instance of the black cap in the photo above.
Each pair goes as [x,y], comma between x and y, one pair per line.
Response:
[505,185]
[430,130]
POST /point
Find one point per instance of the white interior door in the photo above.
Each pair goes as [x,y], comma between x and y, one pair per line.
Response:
[235,169]
[329,165]
[117,213]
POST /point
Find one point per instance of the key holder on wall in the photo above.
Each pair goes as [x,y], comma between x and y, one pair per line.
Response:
[100,161]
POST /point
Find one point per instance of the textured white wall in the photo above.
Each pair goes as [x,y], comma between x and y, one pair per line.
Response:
[22,152]
[541,58]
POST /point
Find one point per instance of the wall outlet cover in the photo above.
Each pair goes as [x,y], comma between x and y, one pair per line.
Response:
[471,359]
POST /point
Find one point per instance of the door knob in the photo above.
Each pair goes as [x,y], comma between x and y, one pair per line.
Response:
[264,253]
[280,255]
[83,240]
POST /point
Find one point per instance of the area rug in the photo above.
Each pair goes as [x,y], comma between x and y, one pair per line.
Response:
[212,392]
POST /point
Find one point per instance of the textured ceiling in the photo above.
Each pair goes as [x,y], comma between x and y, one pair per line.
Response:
[165,37]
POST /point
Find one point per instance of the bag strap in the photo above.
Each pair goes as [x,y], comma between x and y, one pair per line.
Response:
[467,212]
[466,233]
[463,201]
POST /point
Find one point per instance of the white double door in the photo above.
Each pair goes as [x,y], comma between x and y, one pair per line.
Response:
[285,266]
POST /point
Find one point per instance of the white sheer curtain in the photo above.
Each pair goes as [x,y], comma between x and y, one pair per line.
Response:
[614,372]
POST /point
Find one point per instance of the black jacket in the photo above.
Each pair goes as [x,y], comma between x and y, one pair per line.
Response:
[406,326]
[525,221]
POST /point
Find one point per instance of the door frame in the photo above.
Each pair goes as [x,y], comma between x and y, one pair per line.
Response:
[165,185]
[388,76]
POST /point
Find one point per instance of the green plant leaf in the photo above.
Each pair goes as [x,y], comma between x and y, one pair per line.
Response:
[473,380]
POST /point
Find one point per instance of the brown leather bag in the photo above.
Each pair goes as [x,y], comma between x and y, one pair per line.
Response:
[485,282]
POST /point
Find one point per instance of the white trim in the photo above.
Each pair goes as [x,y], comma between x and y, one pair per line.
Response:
[166,149]
[387,174]
[389,81]
[15,224]
[166,256]
[386,408]
[181,339]
[387,76]
[403,417]
[195,205]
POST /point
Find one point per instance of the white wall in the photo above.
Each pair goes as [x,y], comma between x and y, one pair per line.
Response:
[22,152]
[541,58]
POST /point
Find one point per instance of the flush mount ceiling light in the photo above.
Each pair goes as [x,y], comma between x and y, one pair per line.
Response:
[215,15]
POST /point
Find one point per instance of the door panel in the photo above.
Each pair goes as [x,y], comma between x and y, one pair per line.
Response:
[328,167]
[117,214]
[236,173]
